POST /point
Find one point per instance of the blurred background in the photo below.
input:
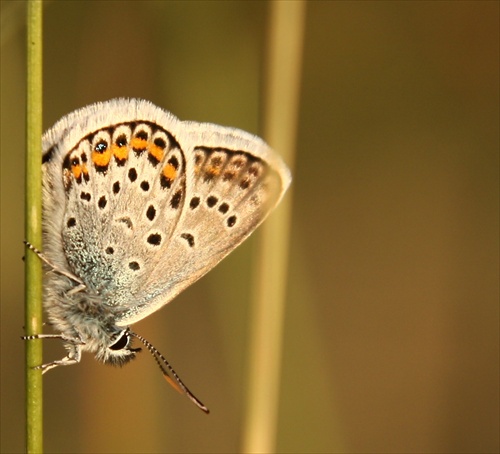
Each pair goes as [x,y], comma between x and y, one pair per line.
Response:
[391,339]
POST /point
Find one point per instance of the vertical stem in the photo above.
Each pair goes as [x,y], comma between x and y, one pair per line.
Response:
[33,228]
[282,81]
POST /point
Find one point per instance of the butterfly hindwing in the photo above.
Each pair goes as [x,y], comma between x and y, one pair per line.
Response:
[231,187]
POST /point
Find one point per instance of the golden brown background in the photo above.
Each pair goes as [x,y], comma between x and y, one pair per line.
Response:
[392,321]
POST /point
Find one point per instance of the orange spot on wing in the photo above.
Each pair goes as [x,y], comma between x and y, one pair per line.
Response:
[156,151]
[212,171]
[76,170]
[101,159]
[169,172]
[120,153]
[138,143]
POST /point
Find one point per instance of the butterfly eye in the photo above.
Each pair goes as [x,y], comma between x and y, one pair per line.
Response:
[121,342]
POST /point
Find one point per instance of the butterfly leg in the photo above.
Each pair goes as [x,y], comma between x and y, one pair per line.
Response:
[73,357]
[45,260]
[77,289]
[71,340]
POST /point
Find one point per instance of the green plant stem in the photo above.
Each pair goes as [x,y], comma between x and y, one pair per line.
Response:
[282,81]
[33,228]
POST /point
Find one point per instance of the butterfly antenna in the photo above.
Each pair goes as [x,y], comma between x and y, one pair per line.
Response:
[169,373]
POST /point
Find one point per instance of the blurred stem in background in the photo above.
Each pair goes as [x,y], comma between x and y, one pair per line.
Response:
[281,104]
[33,228]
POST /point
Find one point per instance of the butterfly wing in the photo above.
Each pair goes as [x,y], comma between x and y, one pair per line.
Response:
[233,181]
[102,182]
[139,205]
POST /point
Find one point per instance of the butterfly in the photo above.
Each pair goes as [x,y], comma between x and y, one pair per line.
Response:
[138,205]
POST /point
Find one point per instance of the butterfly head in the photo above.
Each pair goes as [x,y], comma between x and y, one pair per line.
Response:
[118,351]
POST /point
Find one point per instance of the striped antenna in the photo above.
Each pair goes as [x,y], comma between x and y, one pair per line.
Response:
[169,373]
